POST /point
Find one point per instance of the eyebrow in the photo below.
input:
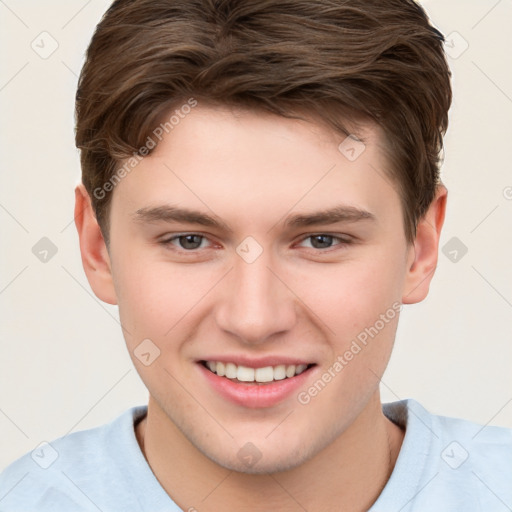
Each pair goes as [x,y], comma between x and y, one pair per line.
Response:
[330,216]
[169,213]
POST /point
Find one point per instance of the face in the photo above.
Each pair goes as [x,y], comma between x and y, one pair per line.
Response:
[251,245]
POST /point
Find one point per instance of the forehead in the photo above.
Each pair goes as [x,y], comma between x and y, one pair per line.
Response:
[221,131]
[248,164]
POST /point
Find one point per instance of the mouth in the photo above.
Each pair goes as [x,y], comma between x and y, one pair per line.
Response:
[262,385]
[262,375]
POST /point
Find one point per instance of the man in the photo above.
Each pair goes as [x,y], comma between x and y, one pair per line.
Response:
[260,196]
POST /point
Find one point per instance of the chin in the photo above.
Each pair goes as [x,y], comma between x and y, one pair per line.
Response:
[276,464]
[262,457]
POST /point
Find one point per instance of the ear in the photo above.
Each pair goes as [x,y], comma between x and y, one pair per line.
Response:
[424,252]
[95,257]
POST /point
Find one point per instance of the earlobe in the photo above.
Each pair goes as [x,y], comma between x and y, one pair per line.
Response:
[95,257]
[424,254]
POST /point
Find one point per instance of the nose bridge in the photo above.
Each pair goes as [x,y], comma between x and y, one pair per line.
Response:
[256,304]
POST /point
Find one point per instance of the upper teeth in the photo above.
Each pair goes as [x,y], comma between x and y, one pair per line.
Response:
[246,374]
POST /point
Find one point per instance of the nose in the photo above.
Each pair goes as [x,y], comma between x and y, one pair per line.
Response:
[257,304]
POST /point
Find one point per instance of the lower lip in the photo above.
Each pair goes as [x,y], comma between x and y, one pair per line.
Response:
[255,395]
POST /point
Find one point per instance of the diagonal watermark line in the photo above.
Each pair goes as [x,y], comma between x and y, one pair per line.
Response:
[88,497]
[217,486]
[95,299]
[12,280]
[492,81]
[279,424]
[410,410]
[167,167]
[486,14]
[485,218]
[286,491]
[76,14]
[490,490]
[14,424]
[14,76]
[200,299]
[104,395]
[383,176]
[12,488]
[416,494]
[13,217]
[493,287]
[302,302]
[484,426]
[12,12]
[72,220]
[198,403]
[69,68]
[303,196]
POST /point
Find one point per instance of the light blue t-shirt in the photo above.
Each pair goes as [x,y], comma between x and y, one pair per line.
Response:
[444,465]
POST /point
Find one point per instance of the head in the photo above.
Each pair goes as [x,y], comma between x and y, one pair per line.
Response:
[298,145]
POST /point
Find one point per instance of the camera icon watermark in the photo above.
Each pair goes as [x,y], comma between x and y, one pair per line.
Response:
[454,249]
[351,148]
[249,454]
[454,455]
[44,455]
[44,45]
[44,250]
[249,249]
[146,352]
[455,45]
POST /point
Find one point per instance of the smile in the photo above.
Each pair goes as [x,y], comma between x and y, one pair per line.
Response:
[256,383]
[260,375]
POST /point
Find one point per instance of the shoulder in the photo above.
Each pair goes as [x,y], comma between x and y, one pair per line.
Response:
[418,421]
[479,455]
[66,474]
[455,463]
[483,447]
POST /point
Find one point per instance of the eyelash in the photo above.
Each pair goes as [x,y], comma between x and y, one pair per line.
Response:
[342,242]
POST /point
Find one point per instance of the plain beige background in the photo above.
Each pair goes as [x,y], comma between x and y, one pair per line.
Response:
[63,363]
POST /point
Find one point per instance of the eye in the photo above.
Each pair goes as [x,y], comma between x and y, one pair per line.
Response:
[185,241]
[325,241]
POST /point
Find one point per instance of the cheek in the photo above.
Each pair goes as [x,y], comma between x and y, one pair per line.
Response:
[159,302]
[350,296]
[359,306]
[156,297]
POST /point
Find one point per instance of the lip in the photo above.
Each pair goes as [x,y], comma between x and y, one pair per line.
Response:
[253,395]
[260,362]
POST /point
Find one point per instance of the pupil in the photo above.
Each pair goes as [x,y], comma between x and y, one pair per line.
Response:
[324,241]
[190,241]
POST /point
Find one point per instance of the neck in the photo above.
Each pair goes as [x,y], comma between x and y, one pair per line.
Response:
[348,475]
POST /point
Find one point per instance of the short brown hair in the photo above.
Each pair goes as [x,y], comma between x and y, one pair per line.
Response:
[340,61]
